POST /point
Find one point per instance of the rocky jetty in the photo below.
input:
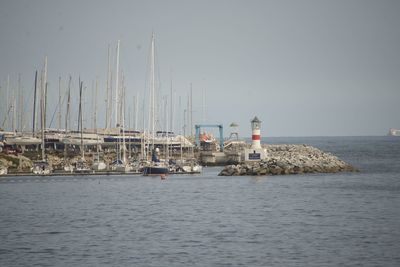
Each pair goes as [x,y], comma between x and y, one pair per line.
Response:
[290,159]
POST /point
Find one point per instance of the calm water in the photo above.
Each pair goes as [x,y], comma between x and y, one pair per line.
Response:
[306,220]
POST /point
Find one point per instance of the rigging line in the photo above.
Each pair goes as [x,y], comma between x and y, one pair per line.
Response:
[56,108]
[25,103]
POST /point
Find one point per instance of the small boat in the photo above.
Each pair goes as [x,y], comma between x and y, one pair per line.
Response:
[69,168]
[22,140]
[99,165]
[3,170]
[156,167]
[123,168]
[41,168]
[82,167]
[191,166]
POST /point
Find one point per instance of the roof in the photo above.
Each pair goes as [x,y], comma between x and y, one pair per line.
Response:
[255,119]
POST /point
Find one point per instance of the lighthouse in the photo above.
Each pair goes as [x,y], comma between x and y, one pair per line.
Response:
[255,133]
[255,152]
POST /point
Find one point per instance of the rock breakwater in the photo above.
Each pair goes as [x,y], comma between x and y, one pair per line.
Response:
[290,159]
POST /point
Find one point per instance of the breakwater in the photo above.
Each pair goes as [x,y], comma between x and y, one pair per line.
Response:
[290,159]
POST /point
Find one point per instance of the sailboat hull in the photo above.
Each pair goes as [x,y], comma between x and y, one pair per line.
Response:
[155,170]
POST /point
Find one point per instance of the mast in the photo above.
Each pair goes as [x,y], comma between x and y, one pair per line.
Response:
[34,106]
[68,104]
[95,105]
[20,104]
[108,100]
[116,86]
[45,90]
[79,105]
[42,119]
[43,107]
[167,130]
[191,110]
[81,120]
[180,125]
[8,94]
[95,120]
[137,111]
[123,126]
[143,141]
[171,123]
[67,116]
[59,102]
[14,123]
[152,89]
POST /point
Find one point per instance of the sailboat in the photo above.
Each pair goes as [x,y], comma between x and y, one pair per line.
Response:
[98,165]
[42,167]
[155,167]
[120,164]
[81,165]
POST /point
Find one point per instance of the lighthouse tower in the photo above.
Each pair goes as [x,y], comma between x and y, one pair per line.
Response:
[255,152]
[255,133]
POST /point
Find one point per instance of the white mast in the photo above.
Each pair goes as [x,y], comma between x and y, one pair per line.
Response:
[116,86]
[191,110]
[20,105]
[167,130]
[7,103]
[152,89]
[95,119]
[45,91]
[43,106]
[136,111]
[34,106]
[15,111]
[38,88]
[95,104]
[171,124]
[81,119]
[67,117]
[108,100]
[123,126]
[59,102]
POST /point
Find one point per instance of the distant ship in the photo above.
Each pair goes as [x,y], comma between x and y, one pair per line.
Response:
[394,132]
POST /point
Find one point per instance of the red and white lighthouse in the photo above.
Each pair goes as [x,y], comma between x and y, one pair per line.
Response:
[255,133]
[255,152]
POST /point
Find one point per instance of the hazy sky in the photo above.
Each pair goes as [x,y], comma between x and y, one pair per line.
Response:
[305,68]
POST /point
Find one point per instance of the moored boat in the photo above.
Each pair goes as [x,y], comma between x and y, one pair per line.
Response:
[81,167]
[155,167]
[42,168]
[3,170]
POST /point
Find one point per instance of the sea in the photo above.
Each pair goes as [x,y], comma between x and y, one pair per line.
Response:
[343,219]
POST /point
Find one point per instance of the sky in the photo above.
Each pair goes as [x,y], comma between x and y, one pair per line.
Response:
[305,68]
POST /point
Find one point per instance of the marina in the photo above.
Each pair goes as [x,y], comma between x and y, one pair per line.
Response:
[116,149]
